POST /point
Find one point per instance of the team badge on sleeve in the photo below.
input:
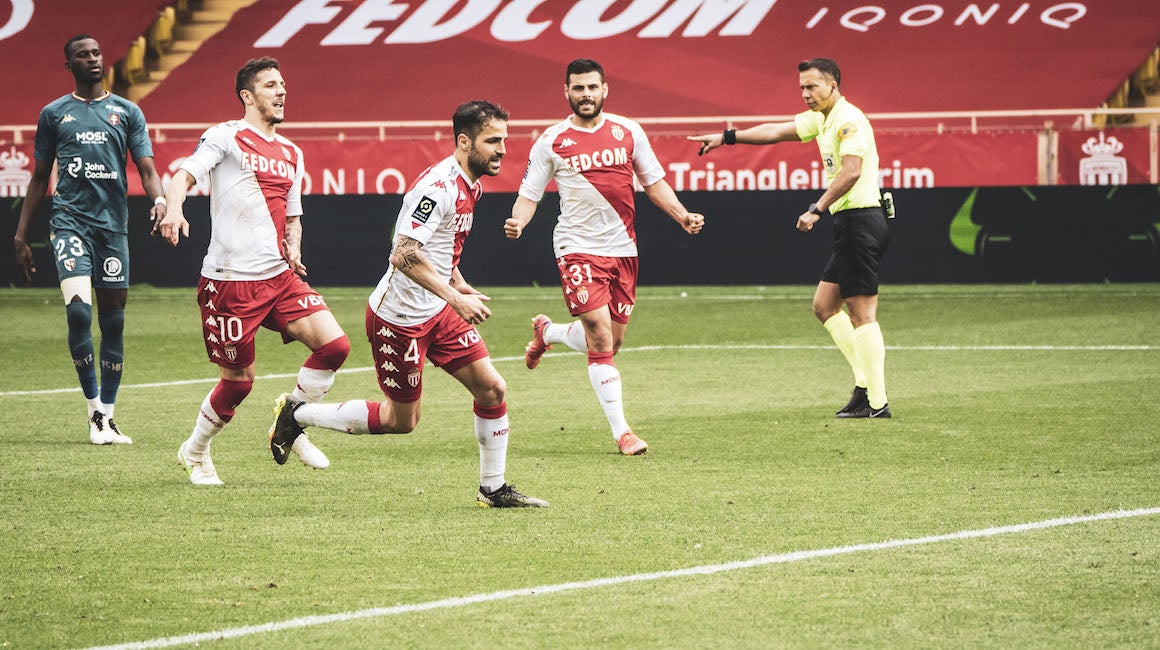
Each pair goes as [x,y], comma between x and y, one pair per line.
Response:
[423,211]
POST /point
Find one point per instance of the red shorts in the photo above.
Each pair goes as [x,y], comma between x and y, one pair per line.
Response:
[591,282]
[399,352]
[232,310]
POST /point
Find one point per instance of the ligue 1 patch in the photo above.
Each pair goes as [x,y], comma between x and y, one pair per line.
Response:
[847,130]
[423,211]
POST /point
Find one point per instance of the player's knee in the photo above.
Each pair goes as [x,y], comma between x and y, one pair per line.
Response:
[112,322]
[397,420]
[331,355]
[823,312]
[79,314]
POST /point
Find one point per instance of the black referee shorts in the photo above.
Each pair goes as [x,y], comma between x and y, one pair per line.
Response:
[861,237]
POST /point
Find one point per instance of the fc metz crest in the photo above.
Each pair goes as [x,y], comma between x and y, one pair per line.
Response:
[582,295]
[617,132]
[231,352]
[413,379]
[114,119]
[70,264]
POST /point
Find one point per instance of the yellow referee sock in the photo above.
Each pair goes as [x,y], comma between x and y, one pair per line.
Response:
[842,331]
[870,350]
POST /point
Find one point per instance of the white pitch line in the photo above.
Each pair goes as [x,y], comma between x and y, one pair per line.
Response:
[543,590]
[654,348]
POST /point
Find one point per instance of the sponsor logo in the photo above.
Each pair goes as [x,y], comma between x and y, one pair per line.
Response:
[469,338]
[311,301]
[231,352]
[582,295]
[74,167]
[14,177]
[424,209]
[599,158]
[462,222]
[114,119]
[92,137]
[113,266]
[500,432]
[1103,166]
[252,162]
[610,380]
[67,118]
[70,264]
[617,132]
[624,309]
[413,379]
[115,109]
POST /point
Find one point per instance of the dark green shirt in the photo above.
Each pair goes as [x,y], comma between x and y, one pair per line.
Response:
[89,141]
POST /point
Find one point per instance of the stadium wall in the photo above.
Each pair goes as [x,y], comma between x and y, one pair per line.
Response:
[941,235]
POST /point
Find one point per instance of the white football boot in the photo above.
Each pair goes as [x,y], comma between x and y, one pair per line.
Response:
[200,467]
[99,434]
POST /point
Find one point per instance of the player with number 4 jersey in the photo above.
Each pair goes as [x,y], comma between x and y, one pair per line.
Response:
[595,158]
[423,309]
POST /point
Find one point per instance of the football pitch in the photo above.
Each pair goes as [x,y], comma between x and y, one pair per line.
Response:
[1012,501]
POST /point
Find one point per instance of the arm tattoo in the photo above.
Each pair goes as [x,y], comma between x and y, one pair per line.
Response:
[406,255]
[294,232]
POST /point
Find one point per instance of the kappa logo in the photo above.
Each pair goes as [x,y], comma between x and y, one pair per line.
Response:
[212,338]
[210,287]
[567,142]
[67,118]
[209,305]
[383,331]
[389,381]
[386,349]
[389,367]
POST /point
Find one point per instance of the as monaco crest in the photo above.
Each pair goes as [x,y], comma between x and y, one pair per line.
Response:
[414,378]
[582,295]
[617,132]
[231,352]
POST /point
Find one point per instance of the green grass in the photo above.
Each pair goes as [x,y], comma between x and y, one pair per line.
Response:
[106,545]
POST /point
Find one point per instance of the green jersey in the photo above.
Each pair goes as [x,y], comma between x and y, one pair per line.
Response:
[844,132]
[90,141]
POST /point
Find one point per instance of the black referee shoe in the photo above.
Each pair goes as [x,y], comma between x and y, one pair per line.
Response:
[858,401]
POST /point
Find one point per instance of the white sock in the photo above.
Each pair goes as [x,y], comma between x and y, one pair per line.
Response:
[492,435]
[93,405]
[571,335]
[107,409]
[605,380]
[351,417]
[208,425]
[313,384]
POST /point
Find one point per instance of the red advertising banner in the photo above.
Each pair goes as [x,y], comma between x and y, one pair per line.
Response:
[389,166]
[1110,157]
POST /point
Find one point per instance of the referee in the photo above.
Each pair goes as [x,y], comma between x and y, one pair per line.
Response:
[861,235]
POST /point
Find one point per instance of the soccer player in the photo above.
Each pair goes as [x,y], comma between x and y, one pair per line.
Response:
[593,156]
[88,133]
[861,235]
[423,309]
[251,274]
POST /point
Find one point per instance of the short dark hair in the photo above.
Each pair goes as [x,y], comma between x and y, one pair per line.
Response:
[472,116]
[69,43]
[581,66]
[824,66]
[249,72]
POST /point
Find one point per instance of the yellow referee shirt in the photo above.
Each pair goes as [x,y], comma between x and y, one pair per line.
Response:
[845,132]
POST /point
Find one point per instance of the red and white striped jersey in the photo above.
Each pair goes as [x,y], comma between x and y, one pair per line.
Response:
[437,212]
[255,183]
[594,171]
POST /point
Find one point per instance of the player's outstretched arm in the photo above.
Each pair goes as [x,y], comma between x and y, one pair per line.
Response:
[37,186]
[522,213]
[407,256]
[663,196]
[173,224]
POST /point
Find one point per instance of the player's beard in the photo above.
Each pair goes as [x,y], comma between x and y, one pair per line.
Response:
[599,106]
[480,165]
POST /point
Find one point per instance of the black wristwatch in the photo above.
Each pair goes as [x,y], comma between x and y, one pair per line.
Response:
[730,136]
[816,210]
